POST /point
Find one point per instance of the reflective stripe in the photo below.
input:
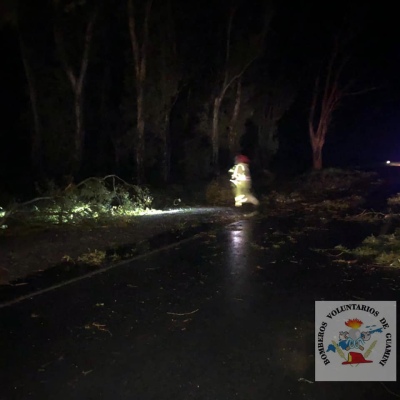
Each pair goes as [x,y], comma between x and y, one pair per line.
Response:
[239,176]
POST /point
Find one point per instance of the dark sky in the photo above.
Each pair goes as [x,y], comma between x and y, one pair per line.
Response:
[366,127]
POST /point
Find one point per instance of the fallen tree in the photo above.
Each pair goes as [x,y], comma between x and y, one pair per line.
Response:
[93,198]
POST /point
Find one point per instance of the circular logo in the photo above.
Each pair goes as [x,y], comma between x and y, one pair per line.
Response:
[355,341]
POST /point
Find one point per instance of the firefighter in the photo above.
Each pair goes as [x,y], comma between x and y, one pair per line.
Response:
[242,180]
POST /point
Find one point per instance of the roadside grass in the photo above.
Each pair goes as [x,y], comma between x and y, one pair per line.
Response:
[381,250]
[394,203]
[321,197]
[326,194]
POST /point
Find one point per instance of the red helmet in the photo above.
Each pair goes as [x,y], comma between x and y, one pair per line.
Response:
[242,159]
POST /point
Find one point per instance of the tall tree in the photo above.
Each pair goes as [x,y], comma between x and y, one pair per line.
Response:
[65,11]
[36,133]
[139,50]
[233,123]
[14,14]
[273,105]
[165,71]
[239,55]
[327,94]
[332,85]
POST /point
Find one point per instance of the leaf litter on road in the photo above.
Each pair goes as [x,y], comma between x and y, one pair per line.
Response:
[100,327]
[304,380]
[181,314]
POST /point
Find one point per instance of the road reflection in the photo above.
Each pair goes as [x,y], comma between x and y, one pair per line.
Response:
[240,237]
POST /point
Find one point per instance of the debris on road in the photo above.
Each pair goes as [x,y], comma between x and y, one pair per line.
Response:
[181,314]
[304,380]
[100,327]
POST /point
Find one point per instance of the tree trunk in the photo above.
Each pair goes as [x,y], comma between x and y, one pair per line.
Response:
[79,132]
[106,110]
[215,131]
[220,96]
[232,127]
[37,141]
[317,157]
[216,108]
[326,97]
[166,162]
[227,81]
[140,145]
[77,83]
[140,59]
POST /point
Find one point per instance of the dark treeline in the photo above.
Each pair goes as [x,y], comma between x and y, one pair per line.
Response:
[154,91]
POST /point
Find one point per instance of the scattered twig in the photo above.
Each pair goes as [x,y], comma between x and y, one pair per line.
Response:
[101,327]
[15,207]
[336,255]
[365,213]
[388,390]
[42,367]
[93,178]
[304,380]
[188,313]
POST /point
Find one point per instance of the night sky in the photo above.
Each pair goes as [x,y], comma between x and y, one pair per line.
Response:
[364,129]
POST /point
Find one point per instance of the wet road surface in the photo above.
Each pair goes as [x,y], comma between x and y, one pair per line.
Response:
[224,316]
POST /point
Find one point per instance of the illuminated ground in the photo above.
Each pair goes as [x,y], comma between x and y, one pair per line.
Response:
[31,251]
[228,314]
[224,316]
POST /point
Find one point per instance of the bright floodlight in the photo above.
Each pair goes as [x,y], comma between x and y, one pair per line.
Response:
[388,162]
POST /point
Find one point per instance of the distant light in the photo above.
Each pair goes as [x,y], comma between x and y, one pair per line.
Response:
[388,162]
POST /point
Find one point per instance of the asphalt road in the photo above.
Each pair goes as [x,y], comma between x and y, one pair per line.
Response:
[218,317]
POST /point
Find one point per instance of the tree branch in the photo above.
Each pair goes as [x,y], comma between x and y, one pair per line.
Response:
[85,56]
[237,76]
[134,39]
[145,41]
[64,59]
[313,108]
[360,91]
[228,42]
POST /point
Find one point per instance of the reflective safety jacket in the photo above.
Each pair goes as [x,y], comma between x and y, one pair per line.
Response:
[240,173]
